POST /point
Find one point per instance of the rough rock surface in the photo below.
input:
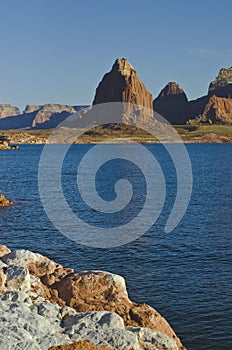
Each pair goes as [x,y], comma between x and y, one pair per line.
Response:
[7,110]
[43,305]
[4,250]
[223,79]
[122,84]
[217,111]
[4,202]
[172,104]
[82,345]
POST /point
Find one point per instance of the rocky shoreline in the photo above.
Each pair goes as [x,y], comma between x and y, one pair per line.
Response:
[188,134]
[5,144]
[47,306]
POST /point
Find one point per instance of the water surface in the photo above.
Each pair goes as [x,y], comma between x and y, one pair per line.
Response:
[186,275]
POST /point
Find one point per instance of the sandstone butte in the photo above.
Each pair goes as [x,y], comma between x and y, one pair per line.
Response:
[172,104]
[47,306]
[122,84]
[213,108]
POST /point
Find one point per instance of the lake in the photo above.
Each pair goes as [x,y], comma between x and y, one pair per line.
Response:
[186,275]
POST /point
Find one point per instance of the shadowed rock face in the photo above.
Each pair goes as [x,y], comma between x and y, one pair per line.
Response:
[122,84]
[172,104]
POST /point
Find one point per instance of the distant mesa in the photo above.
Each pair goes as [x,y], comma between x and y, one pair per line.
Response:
[47,116]
[122,84]
[52,114]
[172,104]
[6,110]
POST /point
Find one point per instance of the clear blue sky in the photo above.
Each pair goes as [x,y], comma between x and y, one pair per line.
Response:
[58,50]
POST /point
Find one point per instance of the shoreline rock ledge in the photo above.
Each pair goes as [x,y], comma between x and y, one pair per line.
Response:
[47,306]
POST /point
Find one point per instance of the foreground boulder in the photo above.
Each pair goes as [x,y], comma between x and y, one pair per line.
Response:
[44,305]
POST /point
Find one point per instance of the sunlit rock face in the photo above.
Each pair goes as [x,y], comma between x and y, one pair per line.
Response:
[122,84]
[223,79]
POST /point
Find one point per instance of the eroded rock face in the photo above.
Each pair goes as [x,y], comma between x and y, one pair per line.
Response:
[223,79]
[122,84]
[4,202]
[51,111]
[218,110]
[172,104]
[89,308]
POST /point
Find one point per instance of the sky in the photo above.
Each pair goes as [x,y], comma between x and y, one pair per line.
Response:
[57,51]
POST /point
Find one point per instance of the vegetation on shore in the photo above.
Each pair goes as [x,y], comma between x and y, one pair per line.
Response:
[188,133]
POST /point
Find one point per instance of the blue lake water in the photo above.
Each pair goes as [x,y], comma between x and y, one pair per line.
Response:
[186,275]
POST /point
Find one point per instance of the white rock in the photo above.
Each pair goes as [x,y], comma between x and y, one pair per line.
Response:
[67,311]
[2,264]
[152,340]
[48,310]
[94,318]
[21,327]
[101,328]
[16,296]
[21,257]
[18,278]
[28,322]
